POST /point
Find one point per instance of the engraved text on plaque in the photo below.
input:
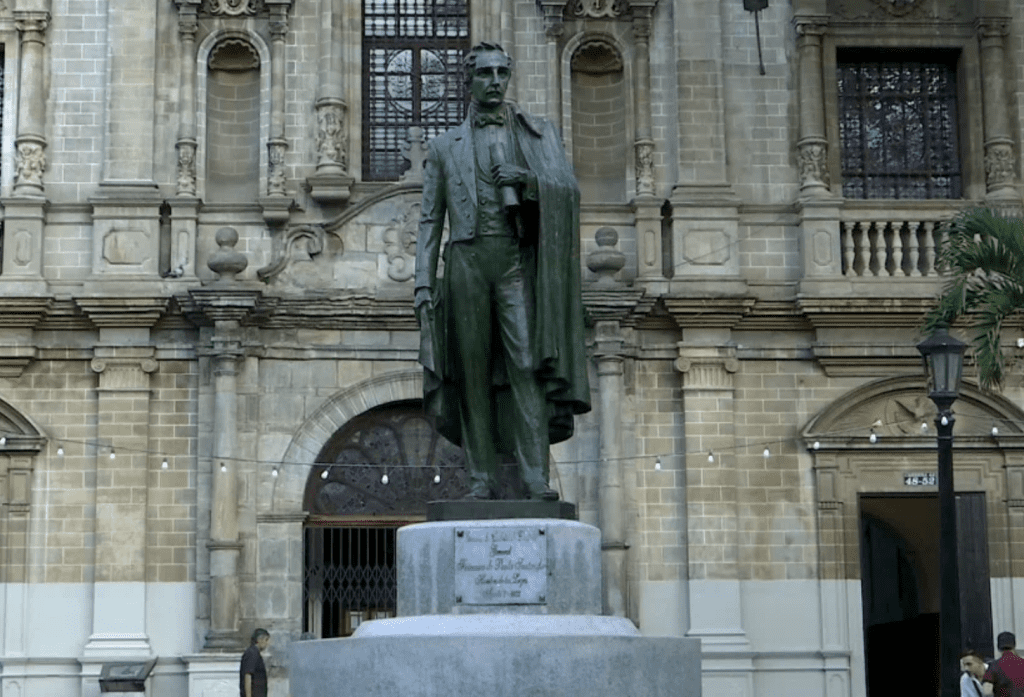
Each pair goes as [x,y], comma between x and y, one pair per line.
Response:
[501,566]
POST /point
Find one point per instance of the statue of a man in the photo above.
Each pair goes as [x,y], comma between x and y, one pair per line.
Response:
[502,330]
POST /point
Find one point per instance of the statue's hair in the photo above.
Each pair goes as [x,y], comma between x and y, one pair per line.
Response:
[469,64]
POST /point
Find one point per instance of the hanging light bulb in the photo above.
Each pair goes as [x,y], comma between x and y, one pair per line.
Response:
[384,479]
[60,451]
[817,444]
[995,431]
[711,456]
[164,465]
[767,453]
[945,421]
[223,467]
[324,474]
[437,478]
[657,463]
[873,437]
[112,454]
[3,440]
[1020,342]
[273,472]
[924,427]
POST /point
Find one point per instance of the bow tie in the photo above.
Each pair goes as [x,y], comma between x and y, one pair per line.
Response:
[489,119]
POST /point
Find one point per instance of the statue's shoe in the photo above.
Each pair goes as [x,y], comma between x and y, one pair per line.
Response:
[545,494]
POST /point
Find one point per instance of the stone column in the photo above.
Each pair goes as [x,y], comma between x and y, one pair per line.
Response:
[226,302]
[812,148]
[1000,158]
[276,204]
[646,205]
[122,475]
[609,359]
[553,29]
[21,272]
[187,27]
[330,184]
[30,144]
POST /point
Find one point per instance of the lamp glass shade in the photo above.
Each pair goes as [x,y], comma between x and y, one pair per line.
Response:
[944,356]
[755,5]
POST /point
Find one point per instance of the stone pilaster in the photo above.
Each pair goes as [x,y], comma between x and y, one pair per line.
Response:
[609,358]
[122,483]
[1000,155]
[812,148]
[553,30]
[277,203]
[643,143]
[226,303]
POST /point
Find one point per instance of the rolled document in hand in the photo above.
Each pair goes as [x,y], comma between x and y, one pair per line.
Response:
[509,196]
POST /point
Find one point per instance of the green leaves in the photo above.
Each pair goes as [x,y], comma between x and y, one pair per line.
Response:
[984,257]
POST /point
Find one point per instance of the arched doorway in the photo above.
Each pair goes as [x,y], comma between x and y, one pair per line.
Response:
[355,512]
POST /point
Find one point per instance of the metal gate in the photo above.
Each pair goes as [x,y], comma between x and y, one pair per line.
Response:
[350,578]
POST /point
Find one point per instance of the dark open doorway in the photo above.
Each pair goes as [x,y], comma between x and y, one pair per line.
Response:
[899,544]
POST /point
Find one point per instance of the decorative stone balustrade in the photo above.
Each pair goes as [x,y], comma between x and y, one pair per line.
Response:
[891,247]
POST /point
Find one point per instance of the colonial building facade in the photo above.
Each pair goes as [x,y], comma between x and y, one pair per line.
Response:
[209,394]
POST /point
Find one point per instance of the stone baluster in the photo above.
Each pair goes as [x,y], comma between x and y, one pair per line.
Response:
[914,253]
[877,252]
[1000,159]
[861,248]
[30,144]
[609,359]
[897,249]
[848,256]
[812,148]
[929,249]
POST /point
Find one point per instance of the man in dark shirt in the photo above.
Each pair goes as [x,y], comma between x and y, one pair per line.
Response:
[252,675]
[1007,673]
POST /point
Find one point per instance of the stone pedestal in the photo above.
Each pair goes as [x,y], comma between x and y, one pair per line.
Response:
[502,608]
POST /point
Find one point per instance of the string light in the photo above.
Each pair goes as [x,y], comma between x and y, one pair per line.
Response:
[766,454]
[1020,342]
[945,421]
[3,440]
[60,450]
[995,431]
[223,467]
[324,474]
[164,465]
[711,456]
[437,478]
[873,437]
[384,480]
[657,463]
[113,455]
[924,427]
[817,444]
[273,472]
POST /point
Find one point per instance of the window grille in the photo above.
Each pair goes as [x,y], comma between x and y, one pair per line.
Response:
[412,76]
[898,125]
[350,578]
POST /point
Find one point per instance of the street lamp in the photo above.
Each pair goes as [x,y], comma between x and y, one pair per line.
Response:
[944,359]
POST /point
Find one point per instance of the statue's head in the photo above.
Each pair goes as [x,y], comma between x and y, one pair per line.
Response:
[488,70]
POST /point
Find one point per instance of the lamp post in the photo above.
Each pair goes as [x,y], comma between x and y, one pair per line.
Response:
[944,359]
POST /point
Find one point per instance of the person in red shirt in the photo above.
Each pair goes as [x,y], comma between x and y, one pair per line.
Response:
[1007,673]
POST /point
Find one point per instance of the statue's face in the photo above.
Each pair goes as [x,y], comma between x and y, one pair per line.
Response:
[490,79]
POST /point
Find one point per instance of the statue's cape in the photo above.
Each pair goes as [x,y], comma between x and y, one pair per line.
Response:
[553,267]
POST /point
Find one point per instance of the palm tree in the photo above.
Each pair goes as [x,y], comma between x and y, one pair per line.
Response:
[984,258]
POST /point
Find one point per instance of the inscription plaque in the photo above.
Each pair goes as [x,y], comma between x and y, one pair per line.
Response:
[501,566]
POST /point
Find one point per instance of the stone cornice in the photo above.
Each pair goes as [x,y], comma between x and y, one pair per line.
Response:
[122,311]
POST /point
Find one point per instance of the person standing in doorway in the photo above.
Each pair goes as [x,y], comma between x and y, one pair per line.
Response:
[252,674]
[974,669]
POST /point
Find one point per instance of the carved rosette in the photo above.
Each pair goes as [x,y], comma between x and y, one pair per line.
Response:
[598,9]
[644,166]
[332,134]
[999,161]
[186,167]
[812,160]
[276,149]
[233,8]
[30,162]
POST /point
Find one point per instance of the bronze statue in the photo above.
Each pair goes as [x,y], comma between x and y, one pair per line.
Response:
[502,331]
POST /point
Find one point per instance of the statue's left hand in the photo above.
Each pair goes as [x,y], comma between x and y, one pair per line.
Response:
[506,174]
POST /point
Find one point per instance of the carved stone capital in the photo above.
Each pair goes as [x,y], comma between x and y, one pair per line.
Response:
[641,28]
[599,9]
[707,373]
[188,23]
[993,28]
[233,8]
[32,24]
[644,150]
[124,373]
[278,22]
[29,163]
[810,29]
[276,149]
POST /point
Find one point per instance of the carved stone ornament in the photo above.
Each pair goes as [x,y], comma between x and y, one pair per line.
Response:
[186,168]
[303,242]
[275,176]
[887,9]
[999,165]
[400,244]
[331,135]
[598,9]
[233,8]
[813,166]
[415,151]
[30,161]
[645,167]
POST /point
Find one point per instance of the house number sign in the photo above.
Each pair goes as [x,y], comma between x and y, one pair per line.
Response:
[920,479]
